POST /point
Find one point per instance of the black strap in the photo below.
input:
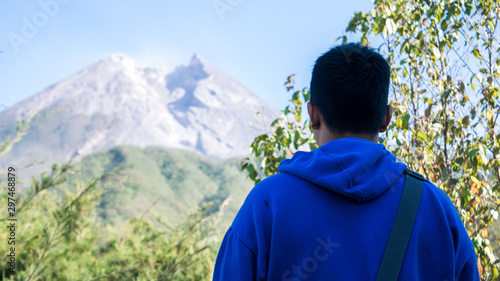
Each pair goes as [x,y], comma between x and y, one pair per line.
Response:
[402,227]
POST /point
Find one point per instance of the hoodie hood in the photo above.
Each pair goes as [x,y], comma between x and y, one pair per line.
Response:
[353,167]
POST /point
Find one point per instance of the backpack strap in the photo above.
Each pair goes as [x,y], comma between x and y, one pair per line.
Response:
[402,227]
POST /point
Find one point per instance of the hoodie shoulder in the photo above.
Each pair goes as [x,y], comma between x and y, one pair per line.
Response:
[440,198]
[436,204]
[274,185]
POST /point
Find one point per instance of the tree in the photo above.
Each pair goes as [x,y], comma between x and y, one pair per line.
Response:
[445,87]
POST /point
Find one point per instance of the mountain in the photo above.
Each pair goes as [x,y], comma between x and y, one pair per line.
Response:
[195,107]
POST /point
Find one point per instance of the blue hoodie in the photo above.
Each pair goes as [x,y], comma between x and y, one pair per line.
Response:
[327,215]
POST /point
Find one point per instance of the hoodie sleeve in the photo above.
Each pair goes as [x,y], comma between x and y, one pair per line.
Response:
[470,271]
[235,261]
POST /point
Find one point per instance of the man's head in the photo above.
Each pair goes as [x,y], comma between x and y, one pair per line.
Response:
[349,94]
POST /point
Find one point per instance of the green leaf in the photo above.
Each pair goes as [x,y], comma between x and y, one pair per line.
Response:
[476,53]
[492,26]
[406,118]
[420,35]
[352,25]
[399,123]
[306,94]
[472,152]
[475,180]
[431,11]
[286,110]
[494,93]
[296,137]
[421,136]
[295,97]
[359,15]
[253,117]
[275,122]
[466,121]
[444,25]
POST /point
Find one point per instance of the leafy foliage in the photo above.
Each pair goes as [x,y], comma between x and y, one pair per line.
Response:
[289,134]
[445,73]
[59,238]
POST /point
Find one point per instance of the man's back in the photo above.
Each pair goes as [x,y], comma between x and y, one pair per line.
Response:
[327,216]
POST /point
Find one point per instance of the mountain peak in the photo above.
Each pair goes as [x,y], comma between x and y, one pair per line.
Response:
[120,59]
[197,59]
[200,63]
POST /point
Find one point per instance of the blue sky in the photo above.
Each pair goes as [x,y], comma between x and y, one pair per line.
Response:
[257,42]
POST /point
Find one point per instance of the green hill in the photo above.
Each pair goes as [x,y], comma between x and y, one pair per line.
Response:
[169,182]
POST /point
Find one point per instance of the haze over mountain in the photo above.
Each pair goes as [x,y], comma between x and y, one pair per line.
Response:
[195,107]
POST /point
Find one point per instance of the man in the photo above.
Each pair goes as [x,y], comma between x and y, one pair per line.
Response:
[328,214]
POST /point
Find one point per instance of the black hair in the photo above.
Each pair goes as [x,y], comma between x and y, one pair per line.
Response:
[350,87]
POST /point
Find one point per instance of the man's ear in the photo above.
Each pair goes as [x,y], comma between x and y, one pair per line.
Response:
[387,119]
[313,112]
